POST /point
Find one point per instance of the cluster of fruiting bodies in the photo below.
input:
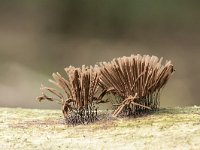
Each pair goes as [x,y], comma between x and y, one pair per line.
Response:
[137,80]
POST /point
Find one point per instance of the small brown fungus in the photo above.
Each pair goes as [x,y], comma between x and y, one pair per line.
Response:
[137,80]
[78,101]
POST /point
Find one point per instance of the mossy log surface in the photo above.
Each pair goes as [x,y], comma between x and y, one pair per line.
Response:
[169,128]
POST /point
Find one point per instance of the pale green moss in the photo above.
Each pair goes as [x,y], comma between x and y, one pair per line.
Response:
[44,129]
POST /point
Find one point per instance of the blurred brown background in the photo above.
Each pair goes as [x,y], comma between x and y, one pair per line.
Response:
[39,37]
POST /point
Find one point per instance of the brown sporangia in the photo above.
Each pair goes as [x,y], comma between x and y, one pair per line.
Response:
[78,94]
[137,80]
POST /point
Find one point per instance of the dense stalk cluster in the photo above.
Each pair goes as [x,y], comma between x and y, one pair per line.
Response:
[78,96]
[137,80]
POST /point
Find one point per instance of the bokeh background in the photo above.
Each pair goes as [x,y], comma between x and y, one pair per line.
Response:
[39,37]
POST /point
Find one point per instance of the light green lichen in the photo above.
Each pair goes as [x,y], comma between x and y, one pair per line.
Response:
[172,128]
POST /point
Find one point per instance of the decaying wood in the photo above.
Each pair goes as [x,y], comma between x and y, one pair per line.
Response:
[137,80]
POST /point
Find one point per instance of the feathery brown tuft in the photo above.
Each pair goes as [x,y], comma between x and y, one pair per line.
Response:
[78,100]
[137,80]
